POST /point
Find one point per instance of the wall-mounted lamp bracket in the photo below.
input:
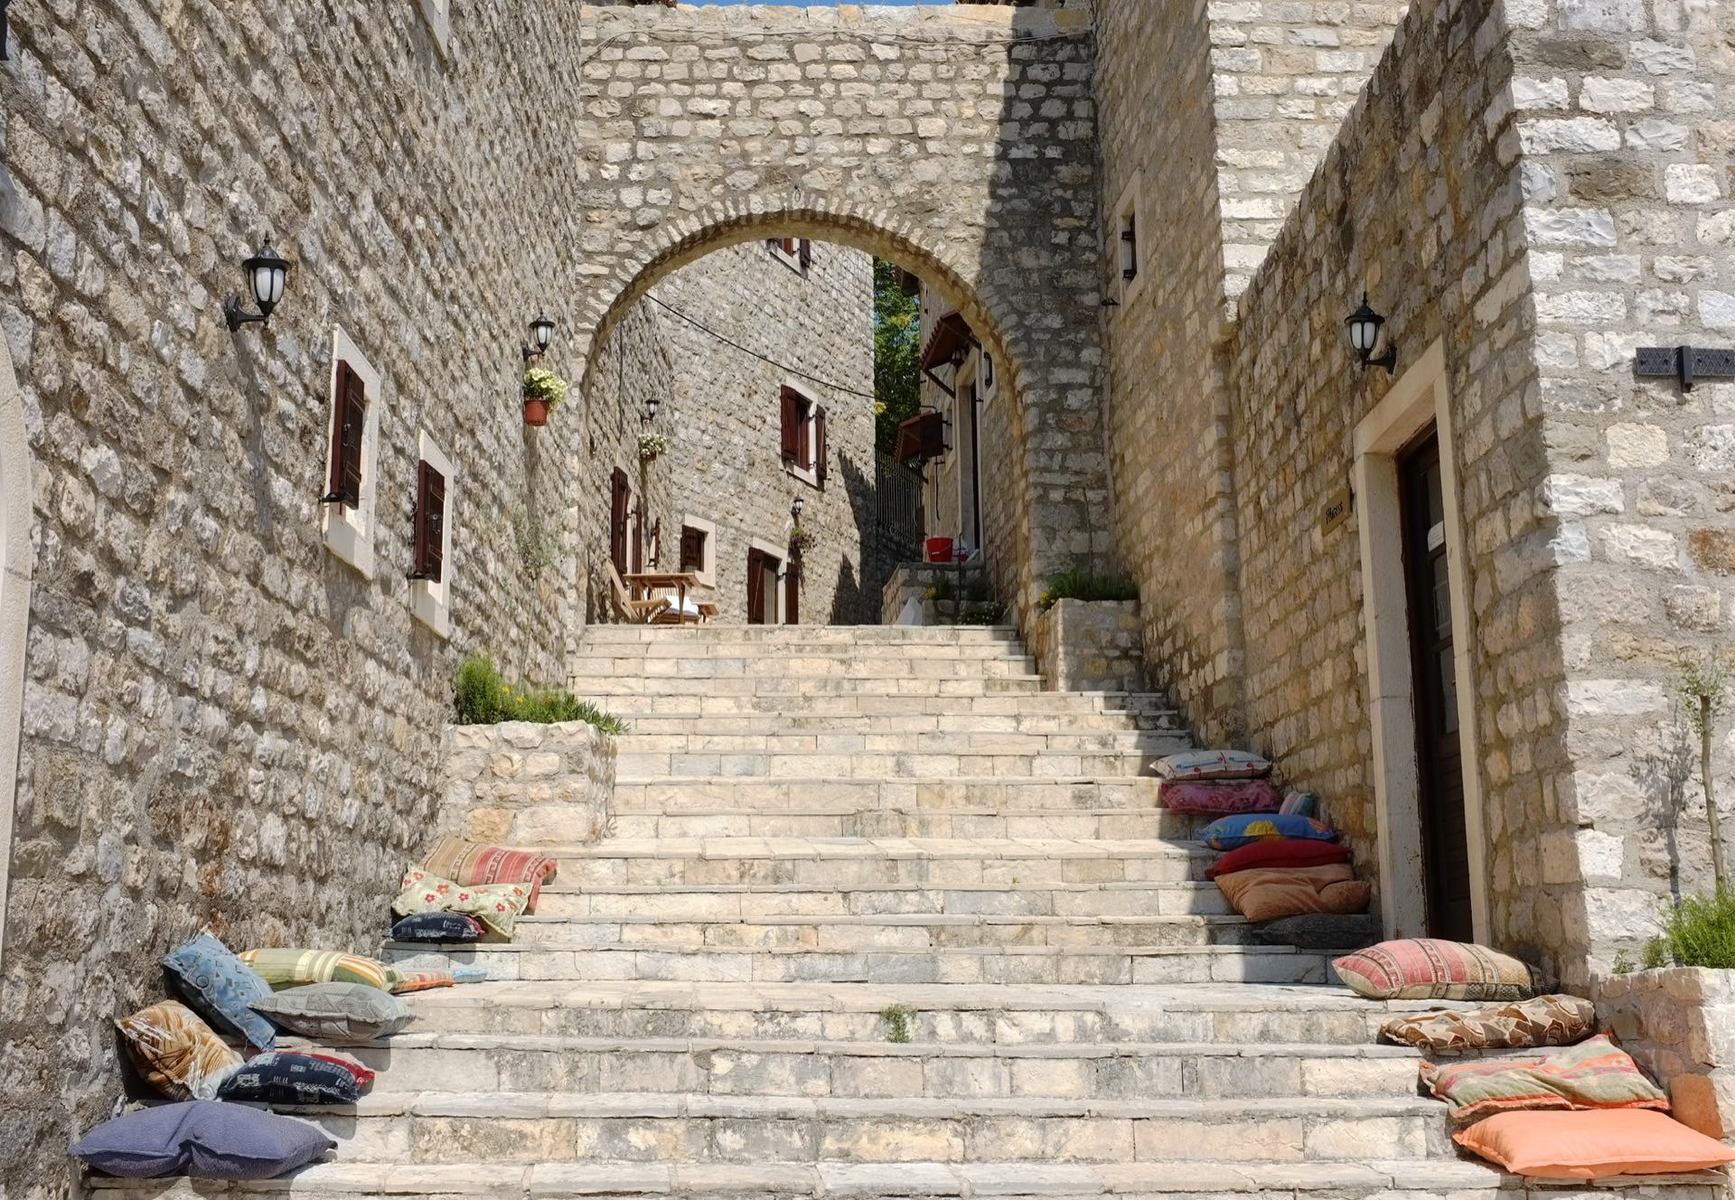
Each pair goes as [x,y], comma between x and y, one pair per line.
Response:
[1689,364]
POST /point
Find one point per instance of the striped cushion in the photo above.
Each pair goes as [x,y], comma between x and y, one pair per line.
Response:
[296,968]
[1593,1074]
[1431,969]
[474,863]
[421,981]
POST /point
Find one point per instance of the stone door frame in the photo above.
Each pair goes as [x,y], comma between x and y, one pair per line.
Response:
[15,583]
[1421,397]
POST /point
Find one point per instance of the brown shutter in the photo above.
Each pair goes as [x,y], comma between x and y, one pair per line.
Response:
[791,426]
[933,435]
[819,447]
[430,523]
[792,592]
[806,253]
[791,246]
[619,504]
[692,549]
[755,587]
[349,427]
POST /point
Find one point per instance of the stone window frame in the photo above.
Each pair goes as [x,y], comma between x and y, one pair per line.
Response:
[349,532]
[1420,397]
[707,573]
[809,473]
[780,552]
[1128,211]
[431,600]
[438,15]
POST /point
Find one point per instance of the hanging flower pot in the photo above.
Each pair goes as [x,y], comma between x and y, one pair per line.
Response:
[543,392]
[652,446]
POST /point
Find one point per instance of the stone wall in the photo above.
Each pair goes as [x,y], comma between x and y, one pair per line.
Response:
[527,785]
[723,318]
[225,725]
[1626,124]
[1679,1023]
[1090,646]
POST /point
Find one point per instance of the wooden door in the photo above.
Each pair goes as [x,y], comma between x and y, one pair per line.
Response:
[1439,754]
[620,515]
[792,592]
[757,593]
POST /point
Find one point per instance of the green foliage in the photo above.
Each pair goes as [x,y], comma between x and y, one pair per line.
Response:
[1080,584]
[1704,687]
[1698,932]
[897,1019]
[982,612]
[537,547]
[483,697]
[897,351]
[1624,965]
[542,384]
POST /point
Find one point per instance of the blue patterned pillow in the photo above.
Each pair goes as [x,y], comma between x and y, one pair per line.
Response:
[437,927]
[221,988]
[1232,833]
[282,1078]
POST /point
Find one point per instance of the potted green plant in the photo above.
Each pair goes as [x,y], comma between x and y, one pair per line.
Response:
[800,542]
[652,446]
[543,392]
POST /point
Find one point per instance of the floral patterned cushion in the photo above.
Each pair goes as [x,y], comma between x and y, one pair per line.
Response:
[497,905]
[176,1053]
[1220,797]
[1524,1024]
[221,988]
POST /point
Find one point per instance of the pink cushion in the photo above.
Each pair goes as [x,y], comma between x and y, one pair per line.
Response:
[1431,969]
[1221,798]
[1592,1145]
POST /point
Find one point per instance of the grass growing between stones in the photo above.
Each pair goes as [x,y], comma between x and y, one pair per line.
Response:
[897,1019]
[483,697]
[1697,932]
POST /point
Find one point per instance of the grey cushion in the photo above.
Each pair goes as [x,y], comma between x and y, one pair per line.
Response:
[338,1014]
[1320,931]
[204,1139]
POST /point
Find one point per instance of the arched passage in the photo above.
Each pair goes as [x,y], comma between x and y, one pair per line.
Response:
[1036,538]
[15,560]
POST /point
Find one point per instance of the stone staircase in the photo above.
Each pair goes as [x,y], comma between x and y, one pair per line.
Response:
[879,918]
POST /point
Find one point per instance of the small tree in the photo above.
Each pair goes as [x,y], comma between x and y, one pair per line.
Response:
[1705,691]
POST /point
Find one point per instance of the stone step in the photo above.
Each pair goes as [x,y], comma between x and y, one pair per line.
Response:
[903,822]
[725,901]
[939,636]
[1081,721]
[654,702]
[1137,963]
[953,794]
[607,689]
[997,1014]
[822,644]
[1007,862]
[1374,1179]
[884,1069]
[841,664]
[848,934]
[650,767]
[858,741]
[529,1127]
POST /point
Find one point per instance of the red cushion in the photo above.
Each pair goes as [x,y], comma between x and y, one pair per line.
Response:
[1280,852]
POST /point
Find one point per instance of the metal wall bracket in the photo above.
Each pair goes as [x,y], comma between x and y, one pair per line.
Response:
[1689,364]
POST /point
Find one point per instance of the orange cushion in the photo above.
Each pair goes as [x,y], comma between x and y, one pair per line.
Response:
[1265,895]
[1592,1145]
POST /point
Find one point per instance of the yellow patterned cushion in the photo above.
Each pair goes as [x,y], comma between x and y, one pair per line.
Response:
[296,968]
[497,905]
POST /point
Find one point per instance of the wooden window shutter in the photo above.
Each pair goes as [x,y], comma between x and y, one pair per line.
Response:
[692,549]
[755,587]
[348,432]
[933,435]
[792,592]
[430,523]
[791,426]
[791,246]
[806,253]
[819,447]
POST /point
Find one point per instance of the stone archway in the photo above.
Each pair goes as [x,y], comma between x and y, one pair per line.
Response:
[958,143]
[15,563]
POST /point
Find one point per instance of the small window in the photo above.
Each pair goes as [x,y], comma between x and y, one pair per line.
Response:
[699,549]
[795,253]
[803,425]
[347,520]
[1127,252]
[431,566]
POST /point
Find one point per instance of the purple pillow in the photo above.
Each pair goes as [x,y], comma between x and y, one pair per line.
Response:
[203,1139]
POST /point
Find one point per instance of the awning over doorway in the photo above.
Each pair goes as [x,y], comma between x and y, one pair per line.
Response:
[951,335]
[922,436]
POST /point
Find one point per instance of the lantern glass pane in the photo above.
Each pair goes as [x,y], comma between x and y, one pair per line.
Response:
[1361,335]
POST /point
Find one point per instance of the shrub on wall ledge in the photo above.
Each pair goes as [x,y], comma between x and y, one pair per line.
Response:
[483,697]
[1697,932]
[1079,584]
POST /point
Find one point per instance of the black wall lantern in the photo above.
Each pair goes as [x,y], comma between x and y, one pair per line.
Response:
[266,274]
[1364,338]
[796,508]
[651,406]
[541,336]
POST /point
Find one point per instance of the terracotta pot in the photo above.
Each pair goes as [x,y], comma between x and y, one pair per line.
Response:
[535,411]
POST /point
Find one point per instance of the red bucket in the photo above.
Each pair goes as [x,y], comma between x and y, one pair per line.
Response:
[939,549]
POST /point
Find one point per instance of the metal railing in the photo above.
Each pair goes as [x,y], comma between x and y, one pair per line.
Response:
[898,502]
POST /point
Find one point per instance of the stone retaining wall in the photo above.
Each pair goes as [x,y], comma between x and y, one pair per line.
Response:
[1090,646]
[1679,1023]
[525,784]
